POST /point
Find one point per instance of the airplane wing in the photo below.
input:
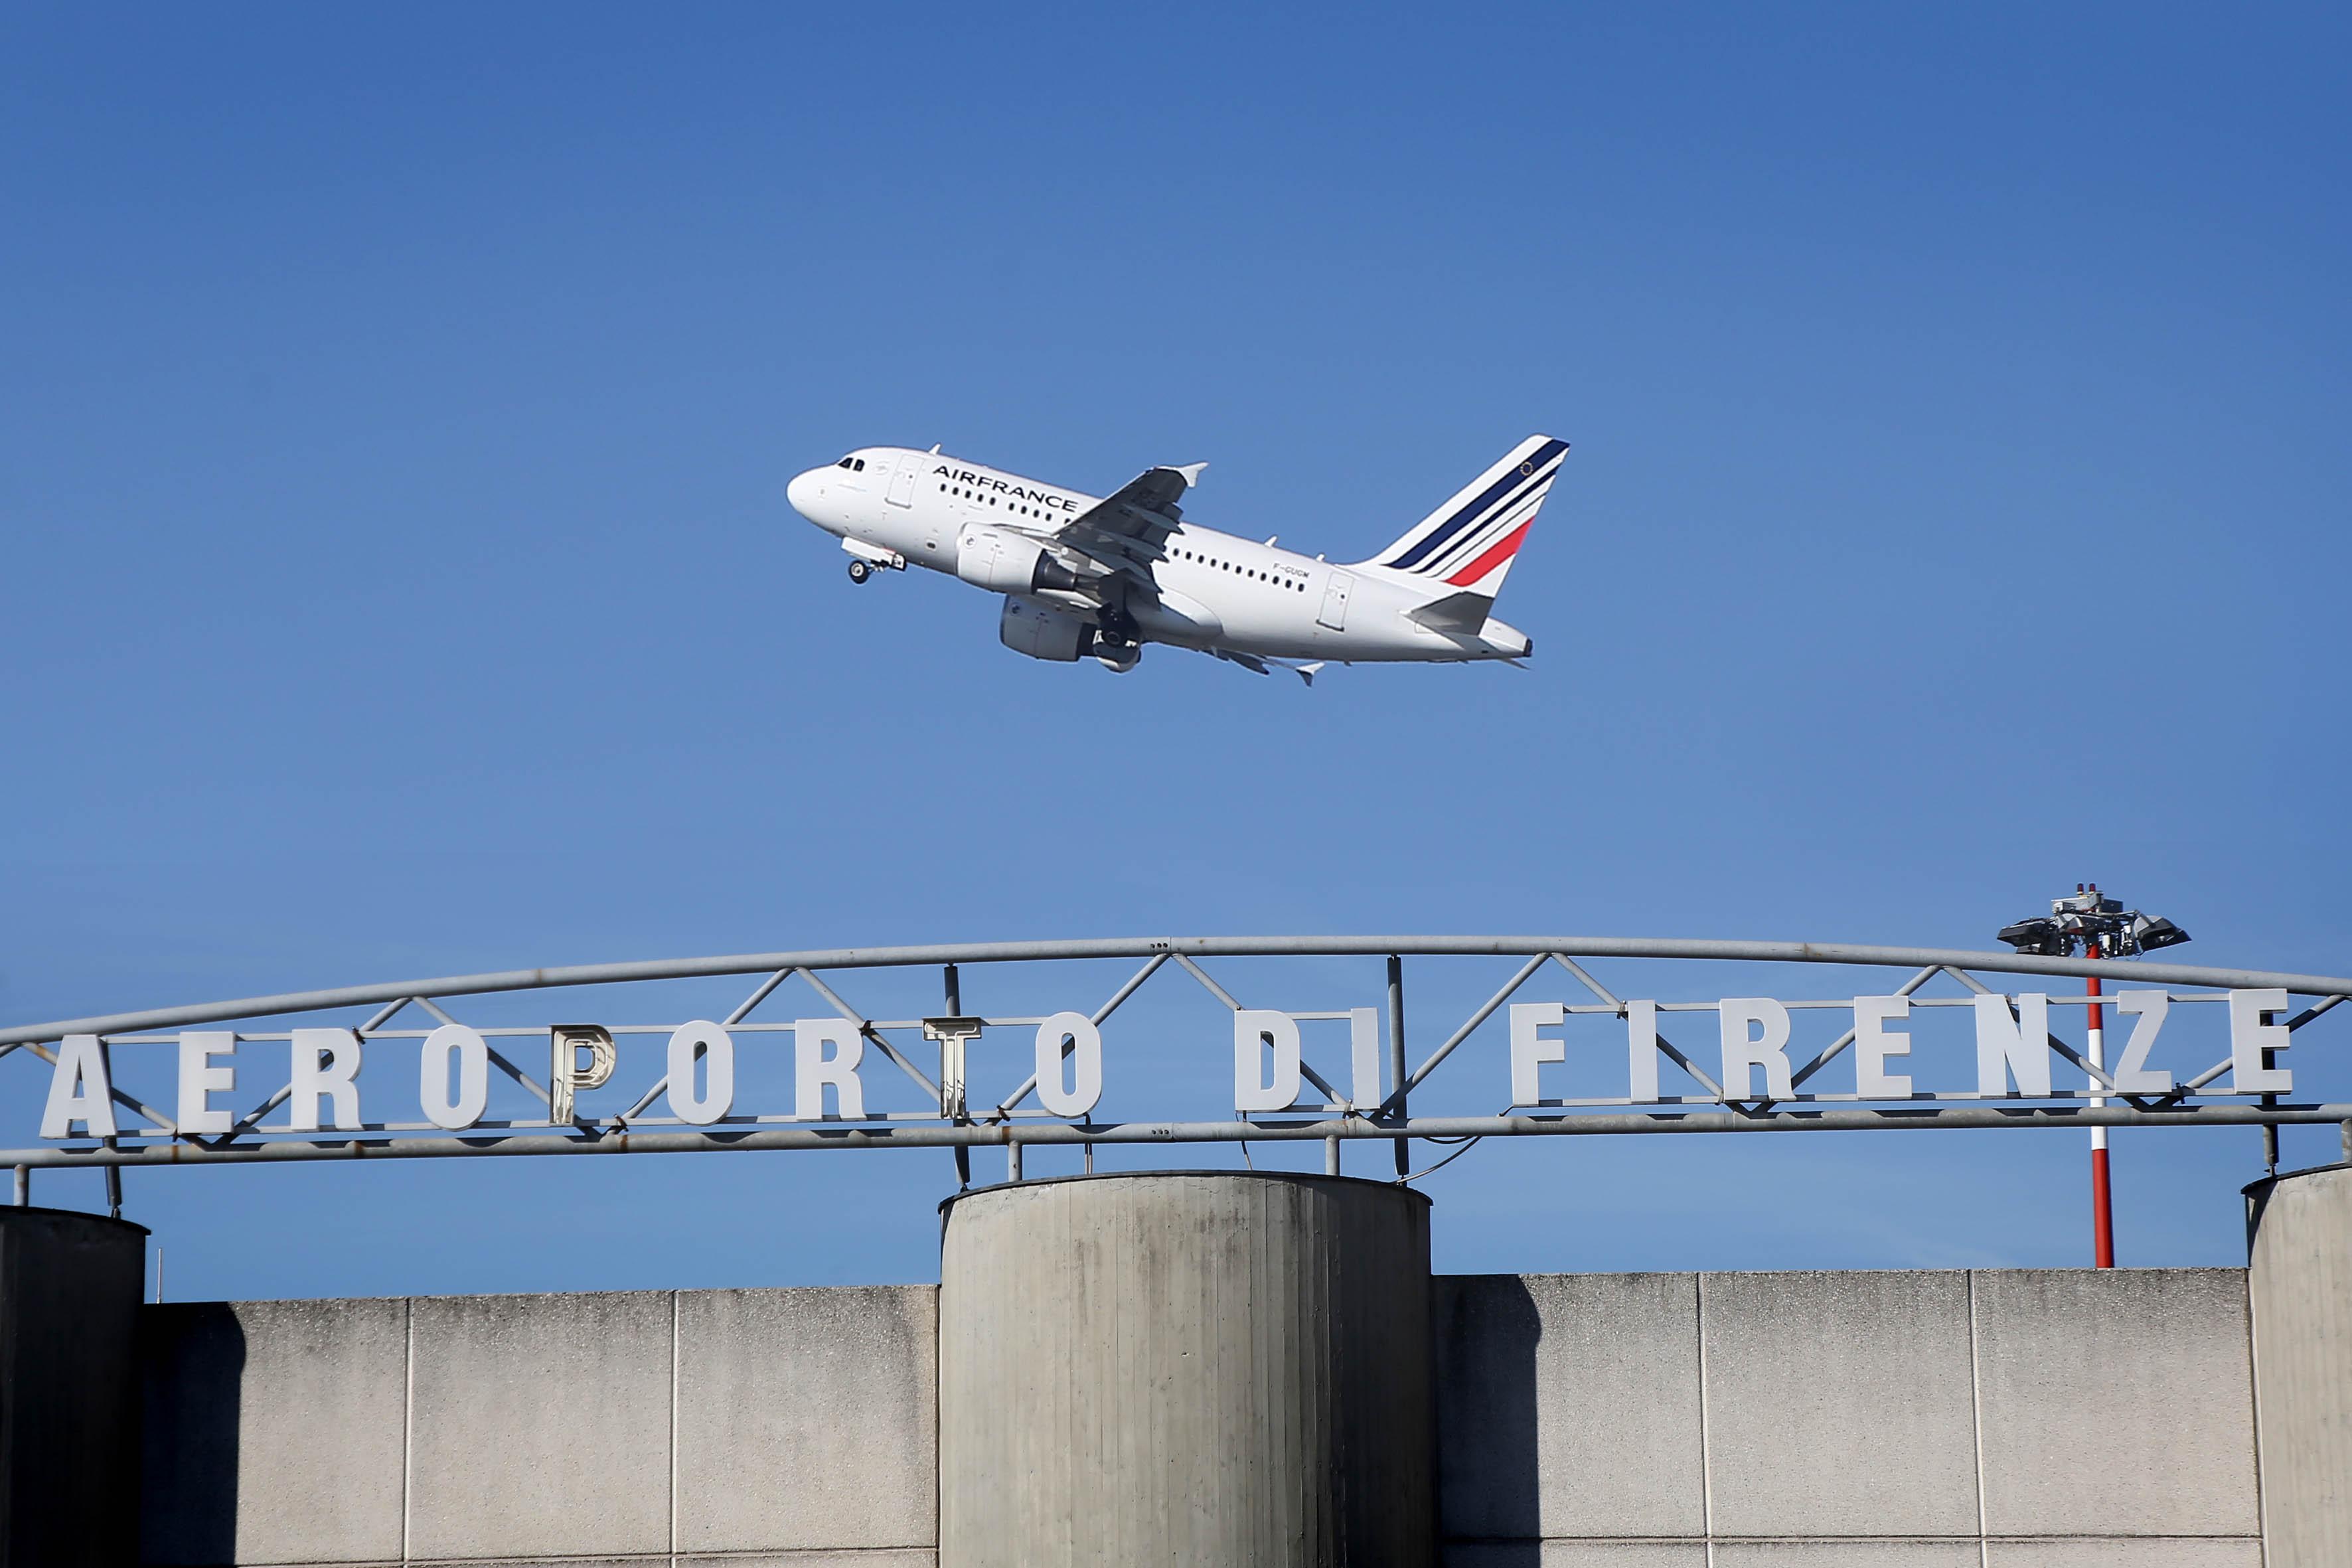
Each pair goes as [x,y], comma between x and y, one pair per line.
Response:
[1126,531]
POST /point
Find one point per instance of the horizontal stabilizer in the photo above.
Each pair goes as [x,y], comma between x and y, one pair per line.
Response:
[1465,612]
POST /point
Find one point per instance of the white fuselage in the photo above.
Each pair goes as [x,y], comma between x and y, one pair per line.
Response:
[1215,590]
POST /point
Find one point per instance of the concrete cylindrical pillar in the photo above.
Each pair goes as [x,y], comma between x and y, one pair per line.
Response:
[68,1397]
[2299,1241]
[1204,1368]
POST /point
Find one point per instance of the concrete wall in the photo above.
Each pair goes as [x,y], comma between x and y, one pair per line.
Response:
[745,1427]
[1999,1419]
[69,1408]
[2300,1230]
[1213,1368]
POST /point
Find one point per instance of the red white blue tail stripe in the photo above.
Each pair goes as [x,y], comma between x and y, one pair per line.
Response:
[1468,542]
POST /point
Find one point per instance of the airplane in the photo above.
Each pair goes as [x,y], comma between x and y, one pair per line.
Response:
[1087,578]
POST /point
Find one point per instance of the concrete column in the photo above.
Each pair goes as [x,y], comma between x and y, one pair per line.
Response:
[1197,1367]
[2299,1236]
[68,1397]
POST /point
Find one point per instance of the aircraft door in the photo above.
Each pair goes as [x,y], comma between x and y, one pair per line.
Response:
[902,483]
[1334,612]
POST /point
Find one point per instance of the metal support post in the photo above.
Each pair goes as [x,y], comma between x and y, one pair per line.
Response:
[2103,1215]
[954,988]
[114,1192]
[25,1177]
[2342,1140]
[1330,1156]
[2270,1129]
[1011,1161]
[1396,1054]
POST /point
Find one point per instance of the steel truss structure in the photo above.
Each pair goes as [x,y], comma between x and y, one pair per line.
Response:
[1010,1123]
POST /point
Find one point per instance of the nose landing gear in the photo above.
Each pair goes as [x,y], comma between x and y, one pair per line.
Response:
[865,559]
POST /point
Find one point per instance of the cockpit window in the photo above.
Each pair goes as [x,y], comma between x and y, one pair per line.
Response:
[843,464]
[861,465]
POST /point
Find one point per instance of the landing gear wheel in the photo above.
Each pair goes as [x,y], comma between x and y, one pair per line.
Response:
[859,570]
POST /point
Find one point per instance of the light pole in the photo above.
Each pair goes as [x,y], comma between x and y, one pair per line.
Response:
[2099,926]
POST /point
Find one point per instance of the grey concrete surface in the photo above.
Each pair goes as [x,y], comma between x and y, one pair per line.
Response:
[1207,1368]
[807,1418]
[800,1428]
[2115,1402]
[1839,1405]
[1575,1554]
[1567,1405]
[2299,1236]
[879,1557]
[909,1557]
[1890,1554]
[2123,1551]
[540,1425]
[273,1431]
[69,1288]
[887,1557]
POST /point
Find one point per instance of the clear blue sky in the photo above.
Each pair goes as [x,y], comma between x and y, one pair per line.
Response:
[394,415]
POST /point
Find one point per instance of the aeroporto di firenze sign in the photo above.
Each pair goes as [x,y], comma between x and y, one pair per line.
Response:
[1744,1057]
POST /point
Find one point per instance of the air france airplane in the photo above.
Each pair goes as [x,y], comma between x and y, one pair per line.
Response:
[1085,577]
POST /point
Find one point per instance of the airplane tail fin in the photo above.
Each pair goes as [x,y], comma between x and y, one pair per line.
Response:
[1465,547]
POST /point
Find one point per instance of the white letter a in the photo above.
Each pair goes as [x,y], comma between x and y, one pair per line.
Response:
[79,1090]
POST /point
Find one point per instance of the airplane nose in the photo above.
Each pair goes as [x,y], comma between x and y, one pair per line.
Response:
[803,492]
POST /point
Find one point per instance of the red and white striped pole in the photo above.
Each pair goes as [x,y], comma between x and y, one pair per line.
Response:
[2103,1218]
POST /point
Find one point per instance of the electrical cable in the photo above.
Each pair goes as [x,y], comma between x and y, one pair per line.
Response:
[1468,1144]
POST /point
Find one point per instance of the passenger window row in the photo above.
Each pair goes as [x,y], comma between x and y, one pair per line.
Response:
[991,500]
[1293,584]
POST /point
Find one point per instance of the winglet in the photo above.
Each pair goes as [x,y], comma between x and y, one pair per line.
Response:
[1191,472]
[1307,672]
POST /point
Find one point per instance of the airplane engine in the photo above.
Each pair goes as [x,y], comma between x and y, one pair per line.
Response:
[1007,564]
[1042,631]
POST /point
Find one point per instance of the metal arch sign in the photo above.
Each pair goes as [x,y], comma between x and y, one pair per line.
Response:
[1585,1060]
